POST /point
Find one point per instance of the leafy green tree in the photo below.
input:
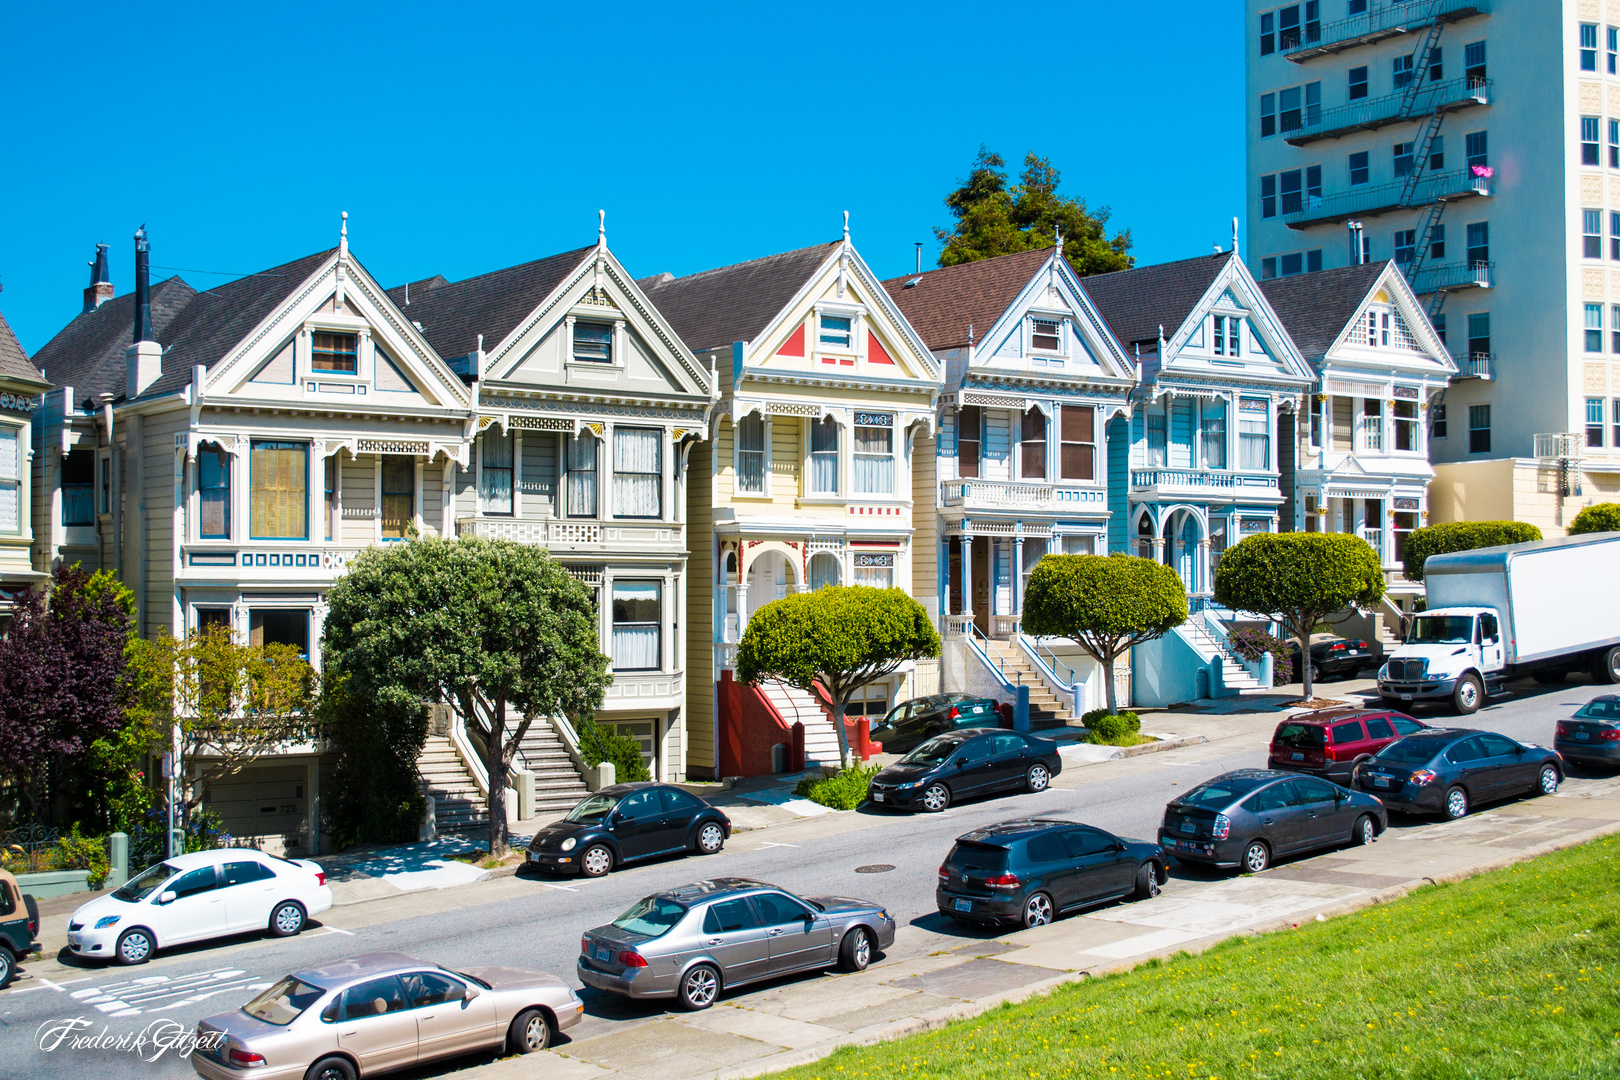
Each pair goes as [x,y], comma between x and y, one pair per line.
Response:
[485,626]
[376,795]
[1299,579]
[834,641]
[1106,603]
[993,218]
[1600,517]
[1460,536]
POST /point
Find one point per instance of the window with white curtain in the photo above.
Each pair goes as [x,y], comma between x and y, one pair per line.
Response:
[824,570]
[1079,545]
[495,473]
[1156,445]
[581,479]
[874,570]
[10,479]
[751,454]
[874,453]
[1254,433]
[637,625]
[1034,551]
[1212,433]
[637,472]
[824,457]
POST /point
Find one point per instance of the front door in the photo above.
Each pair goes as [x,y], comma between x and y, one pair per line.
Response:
[798,938]
[981,585]
[734,936]
[378,1029]
[1490,643]
[446,1023]
[197,910]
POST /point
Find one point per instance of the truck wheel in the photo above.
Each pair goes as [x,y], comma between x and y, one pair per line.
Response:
[1606,668]
[1468,695]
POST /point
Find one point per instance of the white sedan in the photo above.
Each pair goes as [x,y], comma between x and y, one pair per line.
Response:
[205,894]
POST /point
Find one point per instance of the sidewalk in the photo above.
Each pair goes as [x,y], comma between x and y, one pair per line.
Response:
[937,972]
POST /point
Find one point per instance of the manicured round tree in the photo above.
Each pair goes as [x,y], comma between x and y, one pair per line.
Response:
[831,642]
[1106,603]
[1299,579]
[1602,517]
[1460,536]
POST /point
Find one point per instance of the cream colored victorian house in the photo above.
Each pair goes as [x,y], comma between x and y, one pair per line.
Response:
[821,471]
[20,387]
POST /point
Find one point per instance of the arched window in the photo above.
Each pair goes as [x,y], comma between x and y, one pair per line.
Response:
[824,569]
[1144,537]
[729,570]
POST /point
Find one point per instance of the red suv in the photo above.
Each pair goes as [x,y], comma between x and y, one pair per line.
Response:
[1332,742]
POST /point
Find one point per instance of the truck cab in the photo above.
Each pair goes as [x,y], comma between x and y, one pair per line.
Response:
[1450,654]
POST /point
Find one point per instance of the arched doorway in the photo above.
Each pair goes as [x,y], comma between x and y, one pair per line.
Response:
[1183,551]
[769,577]
[825,570]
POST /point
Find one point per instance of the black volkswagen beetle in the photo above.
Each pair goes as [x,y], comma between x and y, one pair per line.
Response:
[1250,817]
[624,823]
[1448,770]
[963,763]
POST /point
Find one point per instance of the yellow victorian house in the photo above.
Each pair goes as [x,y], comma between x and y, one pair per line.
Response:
[820,471]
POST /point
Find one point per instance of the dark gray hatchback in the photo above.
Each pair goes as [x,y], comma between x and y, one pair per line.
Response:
[1251,817]
[1448,771]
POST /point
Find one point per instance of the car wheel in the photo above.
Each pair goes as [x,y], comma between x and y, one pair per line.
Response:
[1256,857]
[1039,777]
[1365,832]
[699,987]
[1316,674]
[332,1068]
[1147,881]
[595,860]
[1549,780]
[1606,669]
[855,952]
[135,946]
[1038,910]
[529,1032]
[287,919]
[1456,803]
[1550,678]
[936,798]
[710,839]
[1466,697]
[8,967]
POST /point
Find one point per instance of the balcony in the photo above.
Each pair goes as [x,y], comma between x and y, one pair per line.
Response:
[295,562]
[594,536]
[1374,113]
[1453,276]
[1207,483]
[1561,446]
[1382,198]
[1478,365]
[1003,495]
[1392,19]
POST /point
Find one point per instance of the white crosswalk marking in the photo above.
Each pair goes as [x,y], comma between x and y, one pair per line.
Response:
[151,993]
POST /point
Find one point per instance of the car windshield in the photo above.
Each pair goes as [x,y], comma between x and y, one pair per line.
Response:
[1219,793]
[1300,736]
[1599,710]
[932,752]
[652,916]
[1441,630]
[284,1002]
[139,888]
[1411,751]
[592,810]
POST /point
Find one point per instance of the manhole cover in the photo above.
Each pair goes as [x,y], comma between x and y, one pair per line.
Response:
[874,868]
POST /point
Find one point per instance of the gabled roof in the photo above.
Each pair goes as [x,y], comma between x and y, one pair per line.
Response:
[453,314]
[13,360]
[88,353]
[1137,302]
[1316,307]
[714,308]
[945,303]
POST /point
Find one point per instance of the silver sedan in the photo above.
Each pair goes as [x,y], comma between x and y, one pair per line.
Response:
[693,942]
[380,1012]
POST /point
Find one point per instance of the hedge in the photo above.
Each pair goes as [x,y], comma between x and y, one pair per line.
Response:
[1460,536]
[1603,517]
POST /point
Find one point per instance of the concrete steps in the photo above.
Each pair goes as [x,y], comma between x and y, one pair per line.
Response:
[458,804]
[1044,705]
[1234,676]
[557,783]
[795,705]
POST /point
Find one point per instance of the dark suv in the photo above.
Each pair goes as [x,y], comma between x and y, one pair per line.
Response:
[1332,743]
[19,922]
[1027,872]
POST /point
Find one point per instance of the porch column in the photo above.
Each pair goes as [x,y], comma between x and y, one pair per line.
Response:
[1018,577]
[967,577]
[742,605]
[1206,581]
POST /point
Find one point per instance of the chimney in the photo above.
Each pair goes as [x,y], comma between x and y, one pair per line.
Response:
[101,289]
[143,360]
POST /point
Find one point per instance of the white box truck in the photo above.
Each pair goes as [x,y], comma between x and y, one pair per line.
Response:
[1541,609]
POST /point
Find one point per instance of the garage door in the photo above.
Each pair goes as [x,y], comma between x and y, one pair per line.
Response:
[264,803]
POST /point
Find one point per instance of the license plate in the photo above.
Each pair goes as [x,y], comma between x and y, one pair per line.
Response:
[74,940]
[964,905]
[877,796]
[604,954]
[1297,757]
[1406,697]
[1188,827]
[1583,735]
[1380,781]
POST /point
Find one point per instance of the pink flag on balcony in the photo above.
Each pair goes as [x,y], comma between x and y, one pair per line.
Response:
[1484,171]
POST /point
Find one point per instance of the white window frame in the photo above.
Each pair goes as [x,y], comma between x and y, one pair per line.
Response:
[1245,438]
[875,566]
[855,313]
[764,489]
[483,440]
[658,623]
[892,456]
[809,458]
[1057,323]
[16,483]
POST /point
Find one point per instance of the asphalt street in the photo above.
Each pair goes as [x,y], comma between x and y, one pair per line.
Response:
[536,921]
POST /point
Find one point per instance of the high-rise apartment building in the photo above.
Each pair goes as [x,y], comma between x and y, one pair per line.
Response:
[1476,143]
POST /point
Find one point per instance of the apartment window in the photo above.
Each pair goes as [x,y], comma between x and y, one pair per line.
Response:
[1479,333]
[329,502]
[1436,67]
[1268,115]
[1474,149]
[1614,50]
[1212,433]
[1402,66]
[335,352]
[824,457]
[1403,159]
[1299,106]
[1358,168]
[1358,83]
[1268,33]
[1589,46]
[1044,335]
[1254,433]
[638,472]
[579,482]
[1589,140]
[11,451]
[637,625]
[1288,27]
[1439,323]
[1594,328]
[1032,445]
[1291,188]
[1437,241]
[1156,445]
[1405,416]
[1614,144]
[1479,242]
[1313,186]
[1437,421]
[1077,450]
[1292,263]
[278,495]
[1614,422]
[751,454]
[836,330]
[495,473]
[1437,154]
[874,454]
[79,486]
[1479,429]
[1594,421]
[1268,195]
[213,493]
[1405,247]
[969,428]
[1474,61]
[1356,7]
[1591,234]
[398,495]
[1614,329]
[593,342]
[1268,269]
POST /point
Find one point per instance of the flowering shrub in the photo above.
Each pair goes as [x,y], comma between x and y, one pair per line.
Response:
[1252,643]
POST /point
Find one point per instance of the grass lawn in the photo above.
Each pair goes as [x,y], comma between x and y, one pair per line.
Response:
[1512,974]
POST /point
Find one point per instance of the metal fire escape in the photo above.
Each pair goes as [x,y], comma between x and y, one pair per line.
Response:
[1424,142]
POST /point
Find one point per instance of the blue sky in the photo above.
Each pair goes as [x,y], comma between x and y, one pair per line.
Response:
[463,138]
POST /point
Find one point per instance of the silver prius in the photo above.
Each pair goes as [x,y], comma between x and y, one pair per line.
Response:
[380,1012]
[692,942]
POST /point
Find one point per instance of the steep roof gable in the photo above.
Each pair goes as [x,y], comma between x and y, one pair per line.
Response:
[713,308]
[13,360]
[1317,307]
[453,314]
[88,353]
[1138,302]
[951,305]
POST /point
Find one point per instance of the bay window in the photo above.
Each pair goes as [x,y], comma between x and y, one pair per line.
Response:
[1212,433]
[876,571]
[1254,433]
[1032,446]
[1405,414]
[580,481]
[637,626]
[79,486]
[279,626]
[398,495]
[11,513]
[278,490]
[969,439]
[495,473]
[1156,443]
[213,493]
[1082,544]
[1077,450]
[874,454]
[824,457]
[638,472]
[750,435]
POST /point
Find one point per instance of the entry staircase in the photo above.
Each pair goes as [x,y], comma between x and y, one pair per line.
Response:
[1046,709]
[557,783]
[459,804]
[799,706]
[1234,675]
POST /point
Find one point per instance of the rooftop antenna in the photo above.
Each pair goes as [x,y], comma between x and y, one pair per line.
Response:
[407,294]
[1234,236]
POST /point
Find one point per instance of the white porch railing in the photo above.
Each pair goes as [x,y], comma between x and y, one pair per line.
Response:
[958,625]
[1004,626]
[539,533]
[1015,495]
[1198,478]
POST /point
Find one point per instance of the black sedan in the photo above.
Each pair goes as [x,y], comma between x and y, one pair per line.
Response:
[1592,735]
[1335,658]
[963,763]
[1029,872]
[626,822]
[1447,770]
[1251,817]
[911,722]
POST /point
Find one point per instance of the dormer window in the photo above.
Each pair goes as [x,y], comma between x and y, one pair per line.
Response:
[1228,335]
[1044,335]
[336,352]
[836,331]
[593,342]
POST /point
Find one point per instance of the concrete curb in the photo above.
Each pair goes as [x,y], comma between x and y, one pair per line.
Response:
[1158,747]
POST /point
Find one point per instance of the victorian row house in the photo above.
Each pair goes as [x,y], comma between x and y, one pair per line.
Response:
[21,385]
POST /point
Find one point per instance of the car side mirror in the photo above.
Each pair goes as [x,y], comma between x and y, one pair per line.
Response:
[469,993]
[166,898]
[1116,847]
[961,763]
